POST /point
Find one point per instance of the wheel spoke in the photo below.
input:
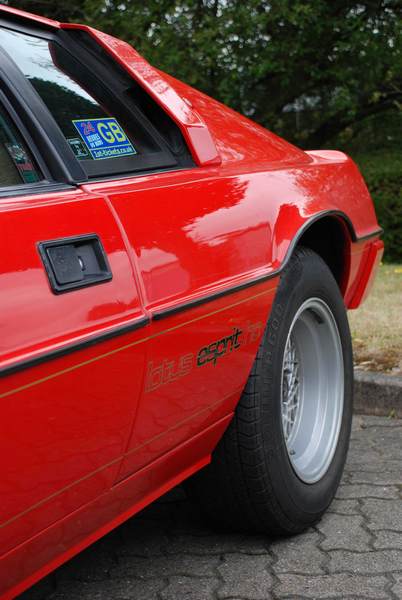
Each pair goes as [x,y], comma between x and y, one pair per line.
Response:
[290,387]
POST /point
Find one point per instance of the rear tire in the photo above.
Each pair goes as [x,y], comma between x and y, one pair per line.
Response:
[280,461]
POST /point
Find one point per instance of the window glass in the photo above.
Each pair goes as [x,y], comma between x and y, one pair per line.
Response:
[16,164]
[81,105]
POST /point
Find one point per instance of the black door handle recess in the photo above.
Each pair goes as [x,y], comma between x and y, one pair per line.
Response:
[75,262]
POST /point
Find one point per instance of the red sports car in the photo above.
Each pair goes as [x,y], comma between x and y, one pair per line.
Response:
[173,298]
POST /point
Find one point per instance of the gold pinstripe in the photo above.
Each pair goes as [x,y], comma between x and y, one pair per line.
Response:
[147,442]
[116,460]
[130,345]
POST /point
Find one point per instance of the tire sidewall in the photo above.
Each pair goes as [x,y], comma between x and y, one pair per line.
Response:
[307,276]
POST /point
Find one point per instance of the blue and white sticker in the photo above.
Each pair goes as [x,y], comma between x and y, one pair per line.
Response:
[104,138]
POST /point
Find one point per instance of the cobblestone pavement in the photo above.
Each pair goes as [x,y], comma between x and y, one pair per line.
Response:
[167,552]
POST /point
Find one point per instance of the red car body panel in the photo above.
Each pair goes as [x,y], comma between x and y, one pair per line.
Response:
[90,437]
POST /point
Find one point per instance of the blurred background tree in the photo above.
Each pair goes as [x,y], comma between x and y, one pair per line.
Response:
[309,70]
[321,73]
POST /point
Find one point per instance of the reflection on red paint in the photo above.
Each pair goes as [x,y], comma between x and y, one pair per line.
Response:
[90,437]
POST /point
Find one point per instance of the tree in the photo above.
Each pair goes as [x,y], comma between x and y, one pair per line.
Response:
[73,10]
[309,70]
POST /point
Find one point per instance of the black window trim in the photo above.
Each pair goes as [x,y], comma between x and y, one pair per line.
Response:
[45,184]
[30,189]
[50,141]
[52,148]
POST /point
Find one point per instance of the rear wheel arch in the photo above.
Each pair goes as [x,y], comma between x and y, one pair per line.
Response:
[251,483]
[330,237]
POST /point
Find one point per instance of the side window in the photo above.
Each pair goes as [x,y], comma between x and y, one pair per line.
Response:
[102,132]
[16,164]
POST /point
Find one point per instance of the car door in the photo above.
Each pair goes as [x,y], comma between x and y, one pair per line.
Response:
[71,321]
[113,130]
[207,320]
[197,240]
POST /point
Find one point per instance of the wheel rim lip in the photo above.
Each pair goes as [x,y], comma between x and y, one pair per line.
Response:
[312,442]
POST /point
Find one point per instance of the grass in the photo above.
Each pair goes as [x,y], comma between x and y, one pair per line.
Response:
[377,325]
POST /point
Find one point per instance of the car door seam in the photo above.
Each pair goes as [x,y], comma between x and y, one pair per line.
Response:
[131,344]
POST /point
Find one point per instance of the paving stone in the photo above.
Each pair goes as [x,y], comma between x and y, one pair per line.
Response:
[388,539]
[378,422]
[344,507]
[186,588]
[366,491]
[372,464]
[386,433]
[117,590]
[362,441]
[299,555]
[218,544]
[332,586]
[368,563]
[358,422]
[140,537]
[397,587]
[166,566]
[246,577]
[344,532]
[387,446]
[367,459]
[170,552]
[376,478]
[383,514]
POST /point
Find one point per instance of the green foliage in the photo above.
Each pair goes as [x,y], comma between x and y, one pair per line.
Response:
[321,73]
[308,70]
[74,10]
[383,175]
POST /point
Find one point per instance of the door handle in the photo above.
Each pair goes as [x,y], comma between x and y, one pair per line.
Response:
[75,262]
